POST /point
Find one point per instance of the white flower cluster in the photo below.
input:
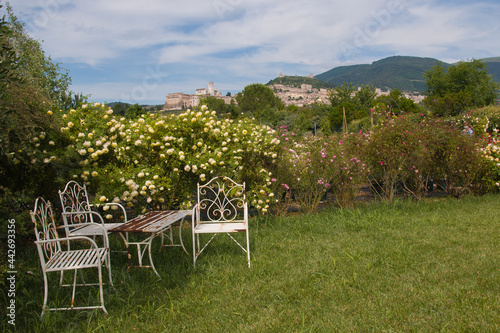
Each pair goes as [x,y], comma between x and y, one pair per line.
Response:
[157,159]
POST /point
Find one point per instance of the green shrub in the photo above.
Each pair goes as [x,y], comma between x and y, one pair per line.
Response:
[300,171]
[457,159]
[348,167]
[309,167]
[398,155]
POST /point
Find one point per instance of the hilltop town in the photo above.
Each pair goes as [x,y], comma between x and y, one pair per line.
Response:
[180,100]
[299,96]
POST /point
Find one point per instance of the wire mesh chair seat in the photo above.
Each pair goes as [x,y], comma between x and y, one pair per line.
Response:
[75,259]
[221,208]
[56,256]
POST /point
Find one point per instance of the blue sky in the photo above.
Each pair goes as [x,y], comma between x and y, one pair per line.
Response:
[140,51]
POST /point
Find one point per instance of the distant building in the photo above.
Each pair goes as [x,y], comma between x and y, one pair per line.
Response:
[307,95]
[180,100]
[177,101]
[304,86]
[210,91]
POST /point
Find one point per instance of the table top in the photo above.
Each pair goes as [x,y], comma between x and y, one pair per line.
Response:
[153,221]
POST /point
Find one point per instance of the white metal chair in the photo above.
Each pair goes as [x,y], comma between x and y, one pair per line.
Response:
[56,256]
[221,208]
[78,217]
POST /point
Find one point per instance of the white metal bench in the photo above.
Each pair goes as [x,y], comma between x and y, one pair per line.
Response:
[56,256]
[221,208]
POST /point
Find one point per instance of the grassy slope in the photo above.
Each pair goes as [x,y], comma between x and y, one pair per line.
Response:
[411,266]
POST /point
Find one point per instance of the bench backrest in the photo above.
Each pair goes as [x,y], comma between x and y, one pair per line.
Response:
[45,229]
[74,199]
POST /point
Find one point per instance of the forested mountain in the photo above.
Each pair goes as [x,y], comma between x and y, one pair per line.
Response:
[401,72]
[493,67]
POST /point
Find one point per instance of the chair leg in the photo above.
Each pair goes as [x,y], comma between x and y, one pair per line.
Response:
[107,262]
[45,293]
[61,279]
[248,248]
[74,288]
[194,249]
[101,293]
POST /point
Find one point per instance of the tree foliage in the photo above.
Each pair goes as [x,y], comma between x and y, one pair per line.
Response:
[364,99]
[353,103]
[120,108]
[31,87]
[342,94]
[214,103]
[396,102]
[37,68]
[259,101]
[134,111]
[220,106]
[460,87]
[341,114]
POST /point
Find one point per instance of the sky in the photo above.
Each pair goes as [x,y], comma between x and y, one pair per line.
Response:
[140,51]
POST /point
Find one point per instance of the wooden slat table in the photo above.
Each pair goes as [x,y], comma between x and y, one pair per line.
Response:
[152,224]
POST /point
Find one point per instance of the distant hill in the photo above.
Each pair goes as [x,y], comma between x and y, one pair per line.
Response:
[494,59]
[493,67]
[297,81]
[401,72]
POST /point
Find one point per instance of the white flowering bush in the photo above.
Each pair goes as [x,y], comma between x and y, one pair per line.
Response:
[155,161]
[491,154]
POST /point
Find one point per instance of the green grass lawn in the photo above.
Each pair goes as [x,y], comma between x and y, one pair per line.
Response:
[406,267]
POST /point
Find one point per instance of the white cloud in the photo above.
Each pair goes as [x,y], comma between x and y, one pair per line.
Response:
[230,40]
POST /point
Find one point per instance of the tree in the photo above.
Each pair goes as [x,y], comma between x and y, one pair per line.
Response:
[38,69]
[217,104]
[234,110]
[356,103]
[364,101]
[120,108]
[23,102]
[397,102]
[134,111]
[30,89]
[31,84]
[9,61]
[460,87]
[259,101]
[342,94]
[336,116]
[322,112]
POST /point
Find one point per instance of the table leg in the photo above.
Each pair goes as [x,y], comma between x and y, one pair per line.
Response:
[170,237]
[147,243]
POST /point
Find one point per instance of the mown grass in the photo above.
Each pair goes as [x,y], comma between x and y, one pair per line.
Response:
[406,267]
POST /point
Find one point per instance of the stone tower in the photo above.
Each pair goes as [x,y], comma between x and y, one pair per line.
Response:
[211,91]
